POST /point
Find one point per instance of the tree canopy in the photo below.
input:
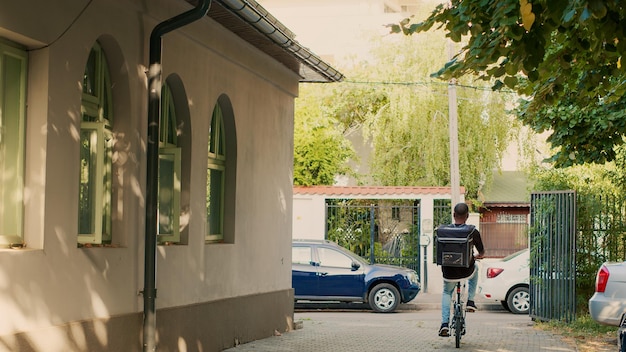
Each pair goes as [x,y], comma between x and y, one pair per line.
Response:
[320,150]
[562,57]
[397,116]
[410,134]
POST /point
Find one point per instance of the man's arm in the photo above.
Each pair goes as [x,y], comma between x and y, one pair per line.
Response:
[478,243]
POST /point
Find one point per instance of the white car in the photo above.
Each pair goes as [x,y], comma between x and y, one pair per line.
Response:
[506,281]
[608,303]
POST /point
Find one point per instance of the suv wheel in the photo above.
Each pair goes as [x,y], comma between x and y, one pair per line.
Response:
[384,298]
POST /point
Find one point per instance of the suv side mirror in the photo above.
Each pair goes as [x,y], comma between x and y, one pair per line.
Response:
[355,266]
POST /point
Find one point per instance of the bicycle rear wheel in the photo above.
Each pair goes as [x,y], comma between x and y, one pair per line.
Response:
[458,326]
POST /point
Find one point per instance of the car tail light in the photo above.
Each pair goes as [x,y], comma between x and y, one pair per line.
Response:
[602,279]
[493,272]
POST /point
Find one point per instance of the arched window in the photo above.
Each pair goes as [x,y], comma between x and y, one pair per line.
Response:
[96,149]
[216,171]
[169,171]
[13,67]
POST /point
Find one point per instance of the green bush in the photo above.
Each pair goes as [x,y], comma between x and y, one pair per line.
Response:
[600,219]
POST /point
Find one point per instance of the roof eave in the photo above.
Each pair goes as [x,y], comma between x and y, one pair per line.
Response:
[254,24]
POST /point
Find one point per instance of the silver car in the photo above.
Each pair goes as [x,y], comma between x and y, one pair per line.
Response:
[608,303]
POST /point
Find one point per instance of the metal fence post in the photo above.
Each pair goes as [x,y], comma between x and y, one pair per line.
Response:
[372,234]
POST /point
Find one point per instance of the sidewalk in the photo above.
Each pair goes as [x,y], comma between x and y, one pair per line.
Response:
[407,330]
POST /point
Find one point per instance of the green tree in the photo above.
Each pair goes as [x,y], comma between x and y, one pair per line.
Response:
[401,114]
[410,133]
[564,57]
[320,150]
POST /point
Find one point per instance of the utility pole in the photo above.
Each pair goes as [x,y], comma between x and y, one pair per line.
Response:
[455,183]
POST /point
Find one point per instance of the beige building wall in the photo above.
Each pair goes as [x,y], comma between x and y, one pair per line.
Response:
[57,297]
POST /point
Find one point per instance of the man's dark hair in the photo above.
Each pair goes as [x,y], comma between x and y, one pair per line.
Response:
[461,209]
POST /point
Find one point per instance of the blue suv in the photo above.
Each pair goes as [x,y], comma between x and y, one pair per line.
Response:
[325,271]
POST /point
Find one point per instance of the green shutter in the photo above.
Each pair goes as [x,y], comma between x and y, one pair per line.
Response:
[13,68]
[169,194]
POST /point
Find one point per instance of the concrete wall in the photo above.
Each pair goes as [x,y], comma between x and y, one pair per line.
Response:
[309,217]
[57,297]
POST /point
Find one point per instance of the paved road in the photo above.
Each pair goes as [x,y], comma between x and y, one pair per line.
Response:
[407,330]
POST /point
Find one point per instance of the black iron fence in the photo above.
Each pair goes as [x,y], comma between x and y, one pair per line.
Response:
[442,215]
[571,235]
[553,255]
[385,233]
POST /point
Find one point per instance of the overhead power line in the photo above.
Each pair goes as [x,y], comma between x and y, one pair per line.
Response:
[428,83]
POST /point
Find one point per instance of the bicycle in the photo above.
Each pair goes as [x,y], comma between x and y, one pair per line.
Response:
[458,318]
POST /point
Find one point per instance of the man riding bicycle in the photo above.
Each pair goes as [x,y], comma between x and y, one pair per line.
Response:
[452,274]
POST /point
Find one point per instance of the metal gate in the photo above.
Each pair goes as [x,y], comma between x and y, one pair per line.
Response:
[385,233]
[553,255]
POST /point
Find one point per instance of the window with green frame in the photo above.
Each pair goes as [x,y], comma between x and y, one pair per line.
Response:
[169,171]
[13,69]
[216,168]
[96,150]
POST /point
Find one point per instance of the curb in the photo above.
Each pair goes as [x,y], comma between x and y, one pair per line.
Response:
[309,306]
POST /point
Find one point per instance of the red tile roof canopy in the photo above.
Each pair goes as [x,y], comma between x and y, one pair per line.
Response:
[372,190]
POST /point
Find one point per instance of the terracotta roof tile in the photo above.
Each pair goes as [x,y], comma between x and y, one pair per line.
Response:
[371,190]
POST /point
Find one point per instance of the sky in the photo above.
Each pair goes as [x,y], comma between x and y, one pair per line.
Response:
[333,29]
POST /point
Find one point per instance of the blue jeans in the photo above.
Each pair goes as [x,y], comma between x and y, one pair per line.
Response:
[448,289]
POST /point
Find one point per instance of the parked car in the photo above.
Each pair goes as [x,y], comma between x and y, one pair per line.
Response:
[507,281]
[608,303]
[325,271]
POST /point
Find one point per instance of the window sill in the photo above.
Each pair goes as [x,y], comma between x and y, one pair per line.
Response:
[216,242]
[6,249]
[91,245]
[170,244]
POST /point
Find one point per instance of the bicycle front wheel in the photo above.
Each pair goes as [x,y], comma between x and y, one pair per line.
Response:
[458,326]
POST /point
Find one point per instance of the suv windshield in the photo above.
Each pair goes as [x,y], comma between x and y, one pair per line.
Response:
[352,255]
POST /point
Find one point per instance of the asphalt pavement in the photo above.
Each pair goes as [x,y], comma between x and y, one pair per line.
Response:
[413,327]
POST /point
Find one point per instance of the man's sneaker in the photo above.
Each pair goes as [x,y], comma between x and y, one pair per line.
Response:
[444,331]
[471,307]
